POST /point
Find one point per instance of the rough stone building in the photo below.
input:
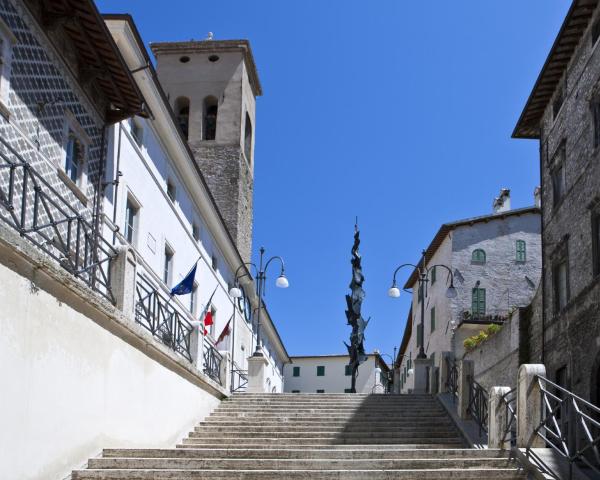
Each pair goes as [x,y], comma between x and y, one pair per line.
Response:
[563,113]
[213,85]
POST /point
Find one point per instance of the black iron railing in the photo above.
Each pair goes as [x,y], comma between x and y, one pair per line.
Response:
[155,313]
[570,425]
[239,379]
[478,405]
[508,401]
[212,361]
[42,215]
[452,377]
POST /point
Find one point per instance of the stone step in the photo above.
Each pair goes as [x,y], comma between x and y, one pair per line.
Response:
[394,452]
[404,434]
[295,464]
[366,428]
[318,417]
[437,474]
[236,442]
[324,411]
[329,401]
[300,422]
[455,444]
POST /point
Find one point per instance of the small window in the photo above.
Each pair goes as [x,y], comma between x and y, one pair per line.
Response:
[320,391]
[432,318]
[193,297]
[137,131]
[320,371]
[596,123]
[521,251]
[348,370]
[182,111]
[559,98]
[210,118]
[478,256]
[347,390]
[248,139]
[168,265]
[560,280]
[131,220]
[196,232]
[74,158]
[478,302]
[296,372]
[171,190]
[213,262]
[295,391]
[433,275]
[596,243]
[558,184]
[184,59]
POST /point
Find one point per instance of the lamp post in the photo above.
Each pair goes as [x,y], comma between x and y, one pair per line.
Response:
[261,277]
[423,272]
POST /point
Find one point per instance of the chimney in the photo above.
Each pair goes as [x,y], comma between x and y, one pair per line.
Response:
[537,196]
[502,202]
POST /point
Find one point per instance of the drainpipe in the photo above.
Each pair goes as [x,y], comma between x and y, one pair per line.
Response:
[115,183]
[543,286]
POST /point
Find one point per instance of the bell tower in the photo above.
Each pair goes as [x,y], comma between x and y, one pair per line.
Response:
[212,87]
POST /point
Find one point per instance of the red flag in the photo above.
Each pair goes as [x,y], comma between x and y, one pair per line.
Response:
[208,321]
[226,331]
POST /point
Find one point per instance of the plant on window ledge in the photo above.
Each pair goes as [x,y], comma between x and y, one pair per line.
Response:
[472,342]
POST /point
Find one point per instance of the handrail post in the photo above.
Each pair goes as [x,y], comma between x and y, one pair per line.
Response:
[122,275]
[529,405]
[497,418]
[465,374]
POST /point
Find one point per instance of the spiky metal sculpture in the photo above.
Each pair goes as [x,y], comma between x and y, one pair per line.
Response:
[356,349]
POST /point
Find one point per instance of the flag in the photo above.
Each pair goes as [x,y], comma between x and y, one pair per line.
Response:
[187,284]
[206,315]
[226,331]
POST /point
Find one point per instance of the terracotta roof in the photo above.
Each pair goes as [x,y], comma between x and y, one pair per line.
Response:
[446,228]
[569,36]
[212,46]
[99,59]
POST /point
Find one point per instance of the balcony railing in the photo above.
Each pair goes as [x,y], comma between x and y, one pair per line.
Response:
[154,312]
[42,215]
[212,361]
[508,401]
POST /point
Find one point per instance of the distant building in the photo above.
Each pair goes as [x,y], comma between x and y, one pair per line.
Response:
[563,113]
[331,374]
[496,263]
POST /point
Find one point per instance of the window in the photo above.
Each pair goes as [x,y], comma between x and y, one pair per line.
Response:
[213,262]
[248,139]
[74,158]
[7,39]
[478,256]
[182,111]
[433,275]
[196,232]
[559,98]
[348,370]
[295,391]
[168,265]
[320,371]
[521,255]
[131,215]
[558,174]
[419,335]
[347,390]
[320,391]
[560,280]
[193,297]
[596,243]
[296,372]
[432,318]
[171,190]
[478,302]
[210,118]
[137,131]
[596,123]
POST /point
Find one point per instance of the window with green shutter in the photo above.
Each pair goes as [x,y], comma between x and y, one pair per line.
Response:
[433,275]
[348,370]
[521,251]
[478,302]
[432,316]
[320,371]
[478,256]
[296,372]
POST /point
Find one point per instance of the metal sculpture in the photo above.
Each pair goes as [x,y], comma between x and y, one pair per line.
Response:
[356,349]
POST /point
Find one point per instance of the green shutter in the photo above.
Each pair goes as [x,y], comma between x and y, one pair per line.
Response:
[320,371]
[521,251]
[432,313]
[296,372]
[478,301]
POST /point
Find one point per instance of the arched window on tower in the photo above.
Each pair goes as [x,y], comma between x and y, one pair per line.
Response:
[182,110]
[210,118]
[248,138]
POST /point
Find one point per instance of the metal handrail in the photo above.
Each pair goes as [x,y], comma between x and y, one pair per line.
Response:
[452,378]
[569,425]
[155,313]
[508,401]
[42,215]
[478,404]
[212,361]
[239,379]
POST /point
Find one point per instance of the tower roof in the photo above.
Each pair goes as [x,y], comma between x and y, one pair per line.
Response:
[213,46]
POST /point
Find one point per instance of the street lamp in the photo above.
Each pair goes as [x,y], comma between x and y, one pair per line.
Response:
[261,277]
[423,272]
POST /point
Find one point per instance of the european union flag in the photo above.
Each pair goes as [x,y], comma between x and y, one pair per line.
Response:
[187,284]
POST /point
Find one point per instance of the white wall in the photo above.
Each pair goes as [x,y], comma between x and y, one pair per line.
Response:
[334,380]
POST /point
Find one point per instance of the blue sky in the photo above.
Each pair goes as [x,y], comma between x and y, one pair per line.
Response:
[397,112]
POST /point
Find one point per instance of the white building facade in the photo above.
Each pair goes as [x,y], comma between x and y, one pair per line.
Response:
[495,261]
[331,374]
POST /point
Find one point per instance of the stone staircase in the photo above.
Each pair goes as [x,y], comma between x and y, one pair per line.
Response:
[316,436]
